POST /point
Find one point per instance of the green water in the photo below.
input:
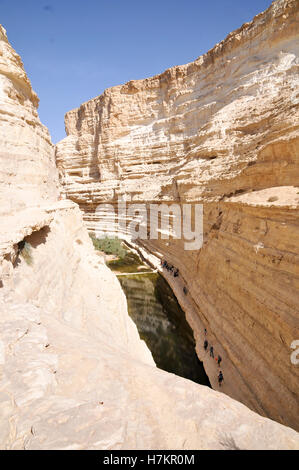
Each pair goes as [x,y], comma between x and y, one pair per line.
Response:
[130,263]
[161,324]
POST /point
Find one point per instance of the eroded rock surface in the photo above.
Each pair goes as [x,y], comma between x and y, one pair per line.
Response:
[222,130]
[23,139]
[74,373]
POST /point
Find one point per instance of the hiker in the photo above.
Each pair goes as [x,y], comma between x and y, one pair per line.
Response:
[205,345]
[211,351]
[219,360]
[176,273]
[205,332]
[220,378]
[185,290]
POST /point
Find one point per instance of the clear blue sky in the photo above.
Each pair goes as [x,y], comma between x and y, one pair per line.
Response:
[74,49]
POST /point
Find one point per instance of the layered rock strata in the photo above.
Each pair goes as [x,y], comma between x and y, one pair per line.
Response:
[222,131]
[28,174]
[74,373]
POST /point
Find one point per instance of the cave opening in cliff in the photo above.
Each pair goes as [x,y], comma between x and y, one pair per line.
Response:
[24,248]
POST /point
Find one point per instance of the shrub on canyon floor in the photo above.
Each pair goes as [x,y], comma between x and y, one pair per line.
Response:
[110,246]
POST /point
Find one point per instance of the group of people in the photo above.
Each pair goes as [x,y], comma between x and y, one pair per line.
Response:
[170,268]
[218,358]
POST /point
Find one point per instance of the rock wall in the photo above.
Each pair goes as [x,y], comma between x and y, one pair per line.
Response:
[222,131]
[74,373]
[23,139]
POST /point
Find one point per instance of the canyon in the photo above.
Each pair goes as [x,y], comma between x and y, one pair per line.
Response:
[74,373]
[221,131]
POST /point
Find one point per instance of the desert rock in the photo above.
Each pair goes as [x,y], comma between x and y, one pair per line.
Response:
[221,131]
[74,373]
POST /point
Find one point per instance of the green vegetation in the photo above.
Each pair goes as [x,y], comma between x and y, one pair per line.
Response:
[110,246]
[126,260]
[25,250]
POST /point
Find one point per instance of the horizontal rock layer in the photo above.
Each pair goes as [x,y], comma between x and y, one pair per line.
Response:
[71,362]
[74,373]
[222,131]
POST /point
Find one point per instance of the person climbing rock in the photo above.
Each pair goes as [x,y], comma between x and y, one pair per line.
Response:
[205,345]
[211,351]
[219,360]
[220,378]
[176,273]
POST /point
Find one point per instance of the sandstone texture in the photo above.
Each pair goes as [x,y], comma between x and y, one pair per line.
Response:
[222,131]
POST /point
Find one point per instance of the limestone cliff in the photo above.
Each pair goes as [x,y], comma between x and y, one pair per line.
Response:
[222,130]
[23,139]
[74,373]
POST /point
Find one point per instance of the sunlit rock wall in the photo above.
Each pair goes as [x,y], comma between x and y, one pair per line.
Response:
[28,175]
[74,373]
[223,131]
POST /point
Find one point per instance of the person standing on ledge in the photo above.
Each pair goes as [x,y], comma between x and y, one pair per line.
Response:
[220,378]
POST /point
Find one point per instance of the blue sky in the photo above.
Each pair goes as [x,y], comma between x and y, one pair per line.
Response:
[74,49]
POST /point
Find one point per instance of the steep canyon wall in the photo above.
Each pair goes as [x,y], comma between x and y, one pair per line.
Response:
[222,131]
[74,373]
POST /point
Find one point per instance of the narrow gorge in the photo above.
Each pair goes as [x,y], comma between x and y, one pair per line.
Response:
[221,131]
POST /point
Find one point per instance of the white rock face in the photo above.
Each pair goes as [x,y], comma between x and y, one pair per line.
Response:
[23,139]
[74,373]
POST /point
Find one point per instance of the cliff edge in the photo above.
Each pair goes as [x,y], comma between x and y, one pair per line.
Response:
[74,373]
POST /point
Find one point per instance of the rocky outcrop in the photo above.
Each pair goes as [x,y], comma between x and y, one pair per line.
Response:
[222,130]
[23,139]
